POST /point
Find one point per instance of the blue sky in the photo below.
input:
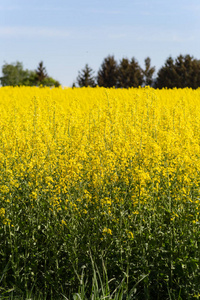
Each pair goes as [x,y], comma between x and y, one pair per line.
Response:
[66,35]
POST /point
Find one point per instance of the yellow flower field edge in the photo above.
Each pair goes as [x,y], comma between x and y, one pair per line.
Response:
[107,174]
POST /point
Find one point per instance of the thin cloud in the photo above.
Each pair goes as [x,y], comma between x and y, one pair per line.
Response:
[32,32]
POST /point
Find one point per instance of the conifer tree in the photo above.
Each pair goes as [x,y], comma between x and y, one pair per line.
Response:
[182,72]
[86,77]
[41,72]
[148,72]
[43,78]
[108,72]
[124,74]
[188,71]
[136,76]
[167,76]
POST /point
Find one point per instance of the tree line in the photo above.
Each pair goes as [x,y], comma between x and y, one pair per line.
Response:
[183,71]
[15,75]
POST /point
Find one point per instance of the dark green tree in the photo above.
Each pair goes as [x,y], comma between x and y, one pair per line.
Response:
[167,76]
[86,77]
[74,85]
[148,72]
[14,74]
[108,73]
[124,74]
[188,71]
[135,73]
[182,72]
[41,72]
[42,78]
[30,79]
[49,81]
[195,74]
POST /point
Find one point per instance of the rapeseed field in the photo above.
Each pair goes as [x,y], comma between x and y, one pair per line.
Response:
[100,186]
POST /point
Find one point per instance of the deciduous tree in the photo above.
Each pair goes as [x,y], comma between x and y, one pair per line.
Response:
[14,74]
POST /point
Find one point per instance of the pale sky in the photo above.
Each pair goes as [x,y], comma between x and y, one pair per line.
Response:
[66,35]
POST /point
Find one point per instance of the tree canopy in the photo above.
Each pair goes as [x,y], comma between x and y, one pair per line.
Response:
[136,76]
[15,75]
[124,73]
[129,73]
[41,72]
[182,72]
[108,72]
[148,72]
[86,77]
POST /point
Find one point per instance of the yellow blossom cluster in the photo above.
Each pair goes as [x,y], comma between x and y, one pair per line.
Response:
[100,148]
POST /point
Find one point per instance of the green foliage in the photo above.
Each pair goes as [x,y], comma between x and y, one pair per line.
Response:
[108,72]
[148,72]
[129,74]
[136,76]
[40,253]
[49,81]
[167,75]
[124,73]
[41,72]
[182,72]
[15,75]
[30,80]
[86,77]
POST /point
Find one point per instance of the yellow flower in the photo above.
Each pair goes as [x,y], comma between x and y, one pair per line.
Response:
[130,235]
[2,212]
[63,222]
[107,231]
